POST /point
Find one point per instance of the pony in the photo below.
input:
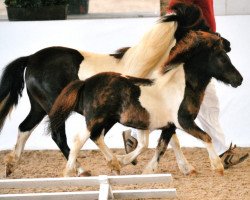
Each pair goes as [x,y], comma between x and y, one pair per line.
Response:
[172,100]
[49,70]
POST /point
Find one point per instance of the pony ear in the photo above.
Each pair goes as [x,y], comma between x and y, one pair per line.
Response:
[226,44]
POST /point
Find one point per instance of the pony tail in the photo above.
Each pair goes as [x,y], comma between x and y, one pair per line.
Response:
[64,104]
[11,86]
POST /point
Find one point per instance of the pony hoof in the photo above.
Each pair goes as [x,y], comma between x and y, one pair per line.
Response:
[116,172]
[192,173]
[69,173]
[187,169]
[218,167]
[85,174]
[148,171]
[220,171]
[10,161]
[115,166]
[8,169]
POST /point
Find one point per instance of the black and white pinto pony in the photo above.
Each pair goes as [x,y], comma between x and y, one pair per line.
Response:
[49,70]
[172,100]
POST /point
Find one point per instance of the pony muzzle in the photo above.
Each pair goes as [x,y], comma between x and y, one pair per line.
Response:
[237,81]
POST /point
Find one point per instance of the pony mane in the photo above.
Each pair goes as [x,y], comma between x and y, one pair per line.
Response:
[140,81]
[187,47]
[119,53]
[188,16]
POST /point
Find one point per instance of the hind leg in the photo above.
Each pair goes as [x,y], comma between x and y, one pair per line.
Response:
[113,163]
[98,131]
[60,139]
[34,117]
[72,165]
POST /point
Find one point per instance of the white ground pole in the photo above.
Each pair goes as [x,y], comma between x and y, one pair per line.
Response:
[105,191]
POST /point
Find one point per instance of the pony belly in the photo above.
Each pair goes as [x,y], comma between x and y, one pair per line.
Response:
[163,115]
[160,120]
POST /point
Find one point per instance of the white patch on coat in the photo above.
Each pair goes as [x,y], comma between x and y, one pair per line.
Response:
[72,165]
[21,141]
[162,100]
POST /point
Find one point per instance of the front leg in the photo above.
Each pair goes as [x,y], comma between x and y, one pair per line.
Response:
[142,137]
[188,124]
[184,166]
[160,149]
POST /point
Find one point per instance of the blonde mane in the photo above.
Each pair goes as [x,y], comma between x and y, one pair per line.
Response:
[147,55]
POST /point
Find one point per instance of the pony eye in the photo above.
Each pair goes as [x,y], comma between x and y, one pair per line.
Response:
[223,58]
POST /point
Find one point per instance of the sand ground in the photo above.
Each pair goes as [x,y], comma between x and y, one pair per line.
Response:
[205,185]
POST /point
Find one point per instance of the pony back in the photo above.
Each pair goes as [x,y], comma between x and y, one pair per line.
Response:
[64,104]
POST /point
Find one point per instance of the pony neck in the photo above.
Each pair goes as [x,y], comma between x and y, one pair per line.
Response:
[196,79]
[151,52]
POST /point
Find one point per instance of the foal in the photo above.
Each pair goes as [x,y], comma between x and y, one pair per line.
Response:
[170,101]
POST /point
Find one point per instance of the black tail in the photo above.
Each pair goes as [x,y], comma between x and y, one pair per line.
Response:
[65,103]
[11,86]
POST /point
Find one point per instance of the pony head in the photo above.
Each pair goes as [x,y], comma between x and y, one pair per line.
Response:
[204,53]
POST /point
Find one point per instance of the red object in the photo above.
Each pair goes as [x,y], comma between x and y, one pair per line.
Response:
[206,7]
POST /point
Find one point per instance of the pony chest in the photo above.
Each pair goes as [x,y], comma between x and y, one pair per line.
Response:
[163,104]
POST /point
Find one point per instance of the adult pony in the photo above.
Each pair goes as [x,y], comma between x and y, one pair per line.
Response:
[171,101]
[48,71]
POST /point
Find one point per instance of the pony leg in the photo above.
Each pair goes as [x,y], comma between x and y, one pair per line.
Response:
[72,165]
[160,149]
[34,117]
[191,128]
[142,138]
[113,163]
[184,166]
[12,159]
[214,158]
[60,139]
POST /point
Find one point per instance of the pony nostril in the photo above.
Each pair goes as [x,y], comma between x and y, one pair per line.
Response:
[237,82]
[240,80]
